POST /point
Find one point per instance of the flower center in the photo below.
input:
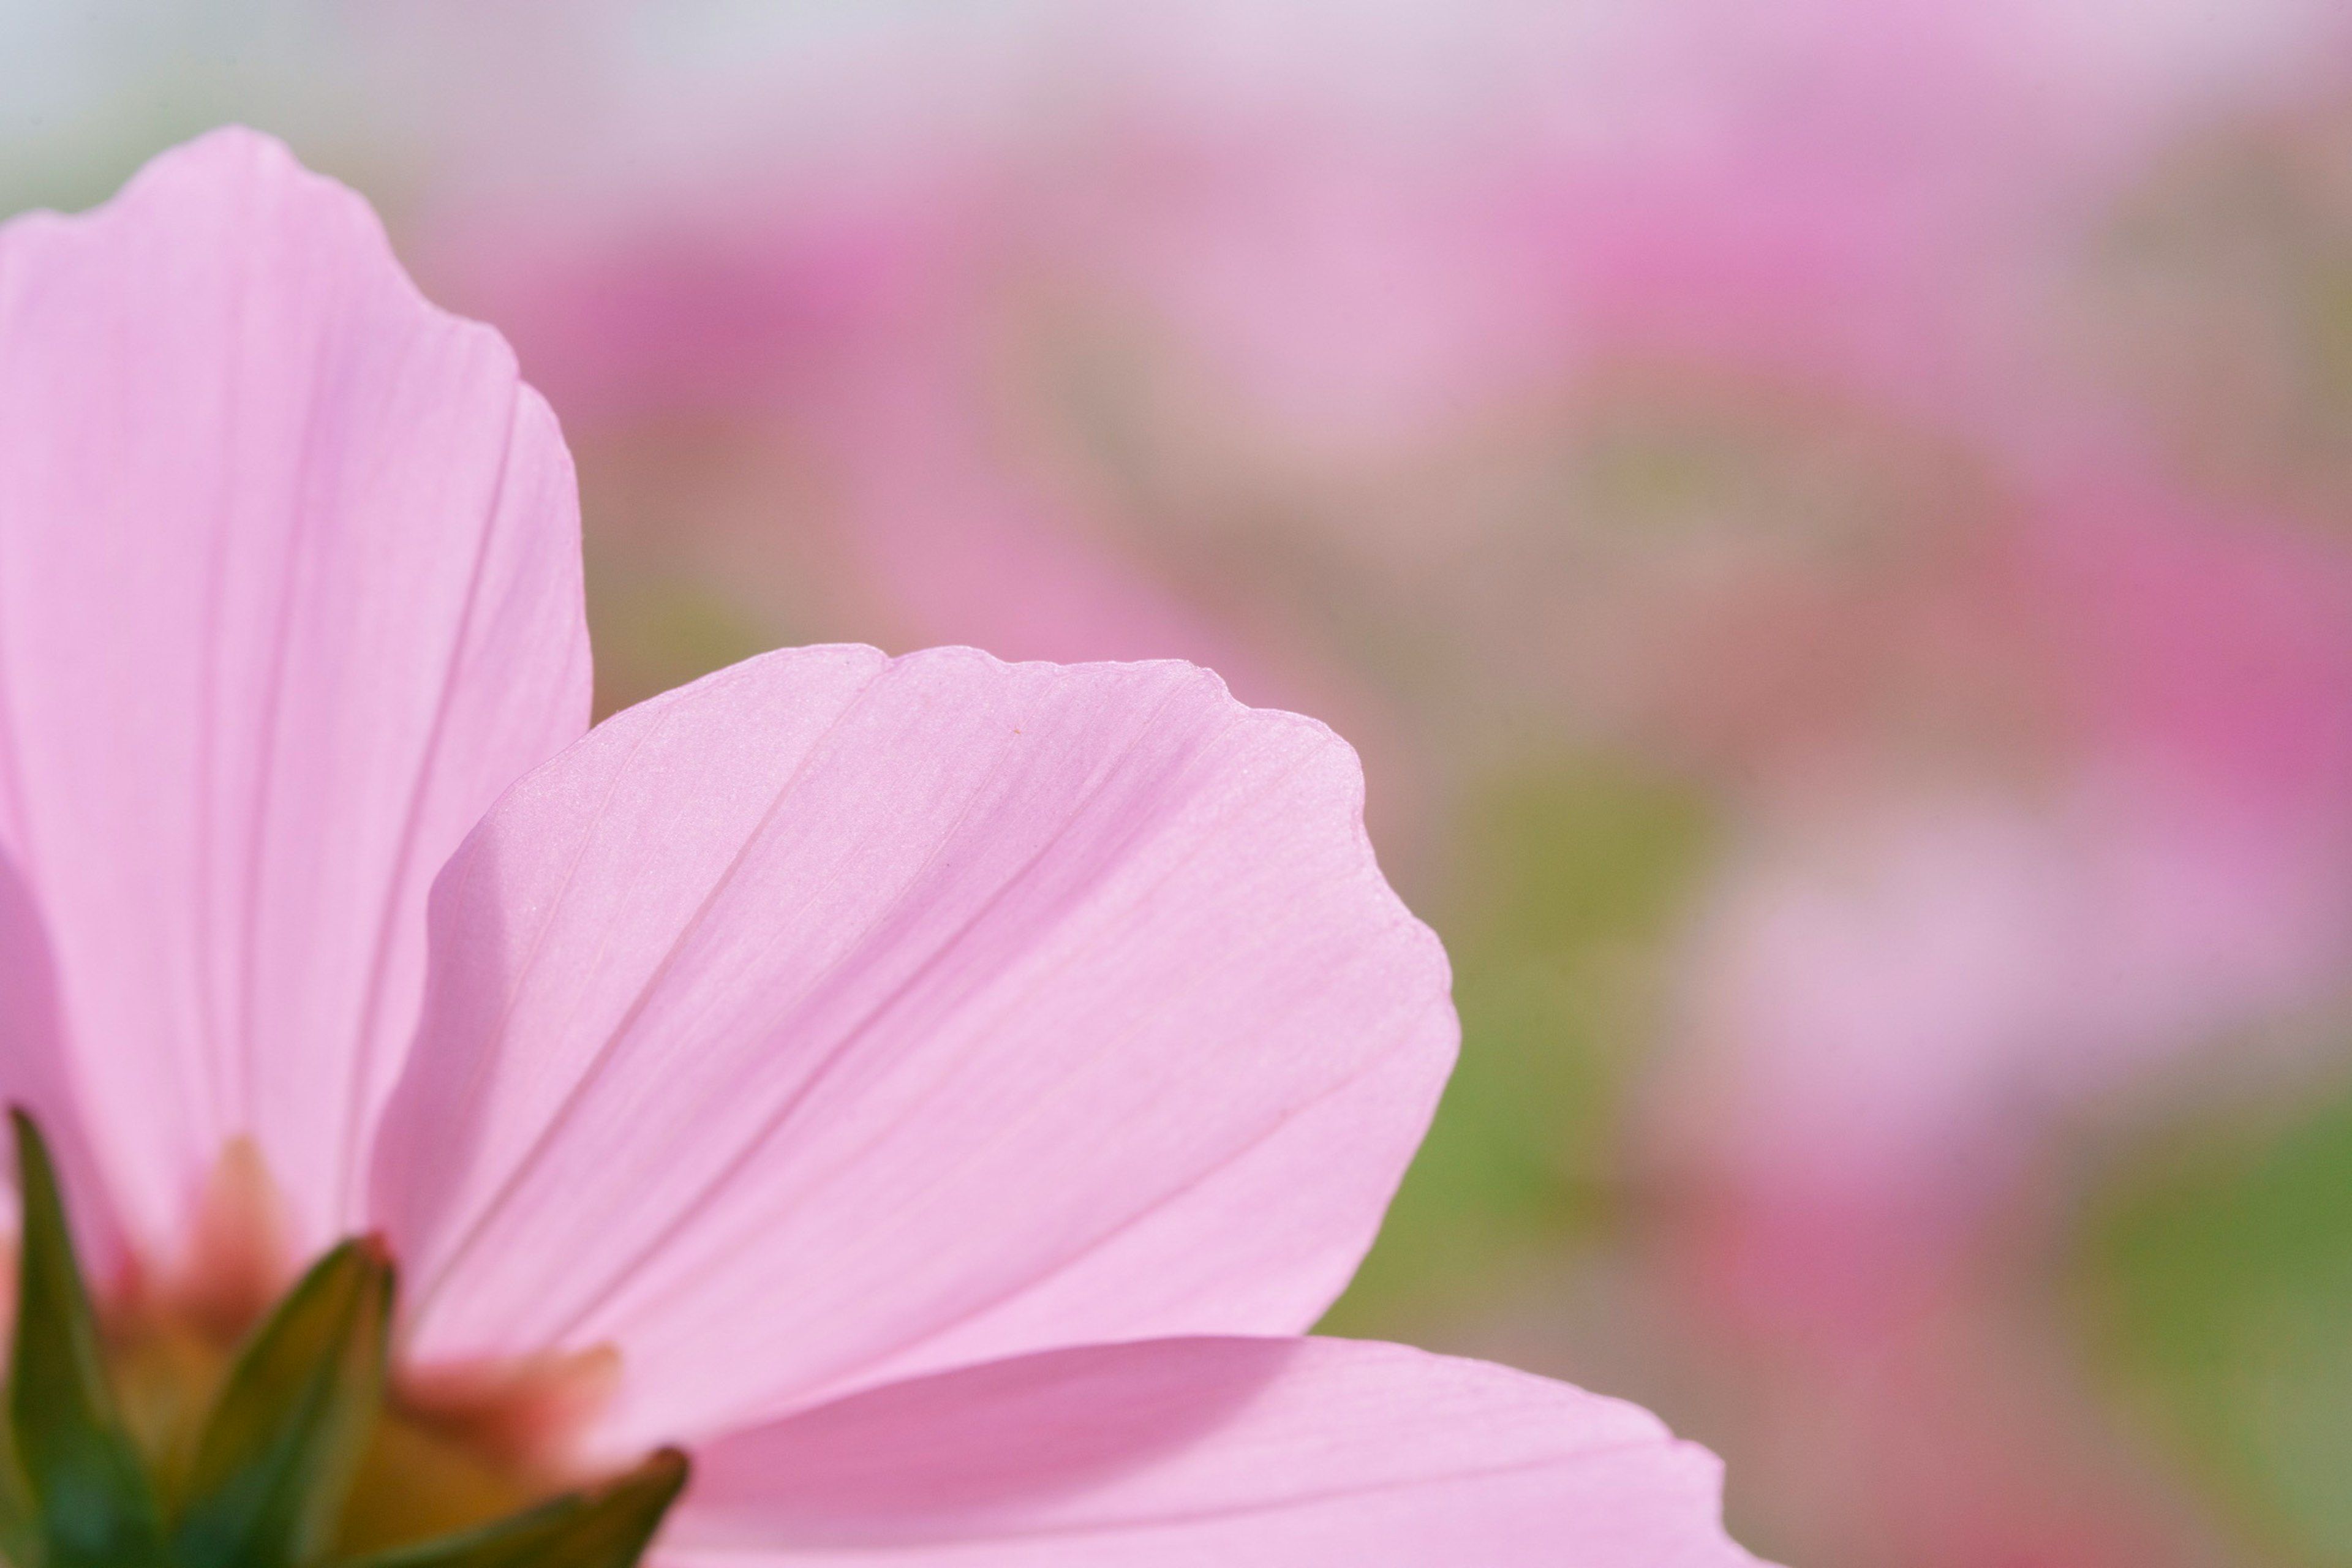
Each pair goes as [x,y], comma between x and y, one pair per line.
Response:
[209,1428]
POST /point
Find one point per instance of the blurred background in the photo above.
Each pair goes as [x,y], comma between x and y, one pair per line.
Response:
[1830,522]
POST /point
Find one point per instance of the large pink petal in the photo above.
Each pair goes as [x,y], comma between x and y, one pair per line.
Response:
[839,1017]
[1243,1452]
[289,592]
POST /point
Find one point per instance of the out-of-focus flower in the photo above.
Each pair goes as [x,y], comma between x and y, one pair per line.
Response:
[850,329]
[1898,997]
[1286,358]
[1914,994]
[916,1087]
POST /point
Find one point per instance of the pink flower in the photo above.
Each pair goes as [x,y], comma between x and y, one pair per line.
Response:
[948,1087]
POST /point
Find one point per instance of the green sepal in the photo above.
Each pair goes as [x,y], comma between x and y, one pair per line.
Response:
[81,1473]
[275,1463]
[20,1523]
[608,1526]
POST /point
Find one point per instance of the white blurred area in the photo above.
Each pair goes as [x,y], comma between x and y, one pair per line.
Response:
[602,92]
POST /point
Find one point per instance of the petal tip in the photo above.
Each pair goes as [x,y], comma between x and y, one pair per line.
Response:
[236,164]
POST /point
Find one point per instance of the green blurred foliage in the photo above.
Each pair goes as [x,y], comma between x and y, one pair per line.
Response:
[2213,1288]
[653,630]
[1569,875]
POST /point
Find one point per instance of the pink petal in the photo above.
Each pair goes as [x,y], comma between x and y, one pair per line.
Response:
[36,1074]
[288,590]
[1280,1453]
[839,1017]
